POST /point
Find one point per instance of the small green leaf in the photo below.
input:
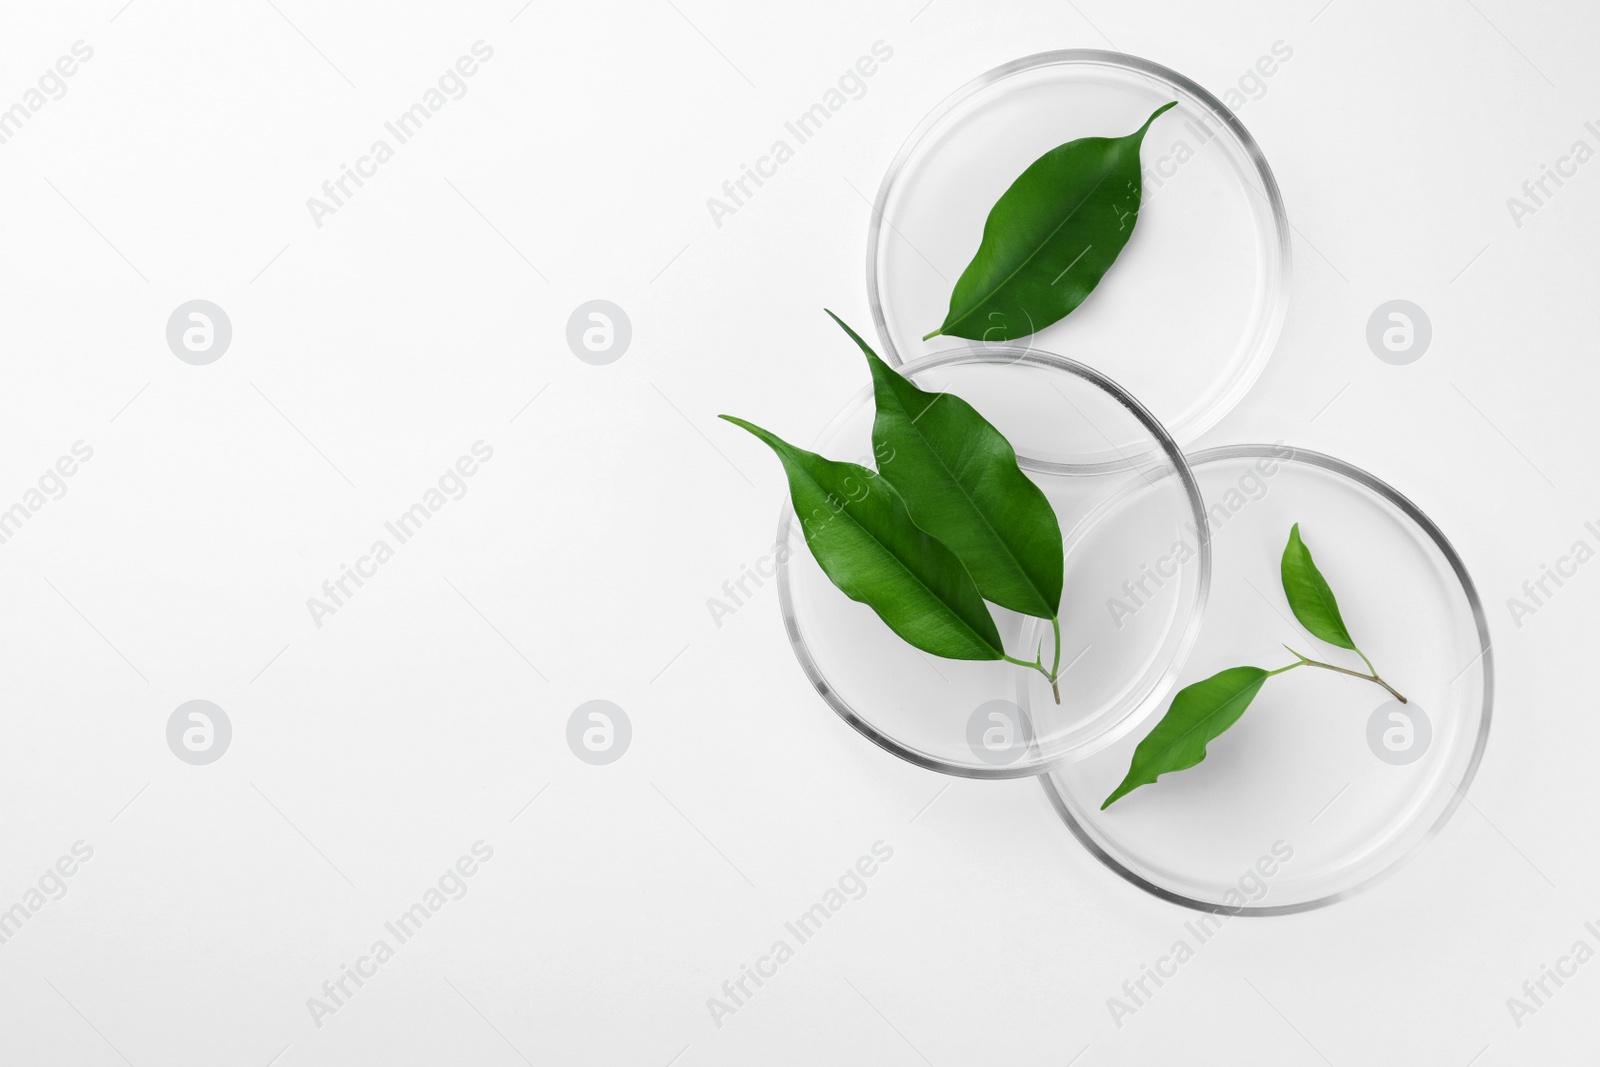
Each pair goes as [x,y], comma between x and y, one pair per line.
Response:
[1310,598]
[1050,238]
[862,535]
[1198,714]
[960,479]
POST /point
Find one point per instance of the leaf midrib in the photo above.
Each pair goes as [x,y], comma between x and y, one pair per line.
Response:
[973,504]
[1330,605]
[1003,282]
[914,576]
[1203,719]
[1324,592]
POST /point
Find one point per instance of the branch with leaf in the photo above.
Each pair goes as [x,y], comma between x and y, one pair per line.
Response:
[1203,711]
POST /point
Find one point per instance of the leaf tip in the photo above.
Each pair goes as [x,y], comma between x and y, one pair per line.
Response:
[1157,113]
[1289,546]
[874,360]
[1126,786]
[743,424]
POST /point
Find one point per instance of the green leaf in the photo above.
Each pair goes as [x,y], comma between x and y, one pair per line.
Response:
[960,479]
[862,535]
[1198,714]
[1050,238]
[1310,598]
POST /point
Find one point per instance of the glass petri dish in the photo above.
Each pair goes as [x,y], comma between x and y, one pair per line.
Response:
[1211,250]
[1326,784]
[1125,498]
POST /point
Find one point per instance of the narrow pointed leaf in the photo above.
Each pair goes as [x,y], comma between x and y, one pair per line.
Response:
[862,535]
[1050,238]
[960,479]
[1310,598]
[1198,714]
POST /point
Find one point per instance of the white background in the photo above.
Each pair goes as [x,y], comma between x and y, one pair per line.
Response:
[368,354]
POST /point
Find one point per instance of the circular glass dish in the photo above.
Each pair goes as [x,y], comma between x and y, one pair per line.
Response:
[1326,784]
[1210,254]
[1125,498]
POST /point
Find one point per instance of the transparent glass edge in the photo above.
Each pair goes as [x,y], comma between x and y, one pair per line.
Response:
[1139,712]
[1486,714]
[1272,324]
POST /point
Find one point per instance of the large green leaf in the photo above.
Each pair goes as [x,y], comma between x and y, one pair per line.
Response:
[1198,714]
[959,478]
[1310,598]
[862,535]
[1050,238]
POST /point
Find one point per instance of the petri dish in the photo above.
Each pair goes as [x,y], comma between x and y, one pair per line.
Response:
[1191,311]
[1326,784]
[1125,498]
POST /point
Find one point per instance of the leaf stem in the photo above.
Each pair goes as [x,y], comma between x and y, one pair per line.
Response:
[1024,663]
[1306,661]
[1370,668]
[1055,668]
[935,333]
[1053,674]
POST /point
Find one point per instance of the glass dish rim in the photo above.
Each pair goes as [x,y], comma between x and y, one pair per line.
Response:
[1277,313]
[1168,446]
[1485,657]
